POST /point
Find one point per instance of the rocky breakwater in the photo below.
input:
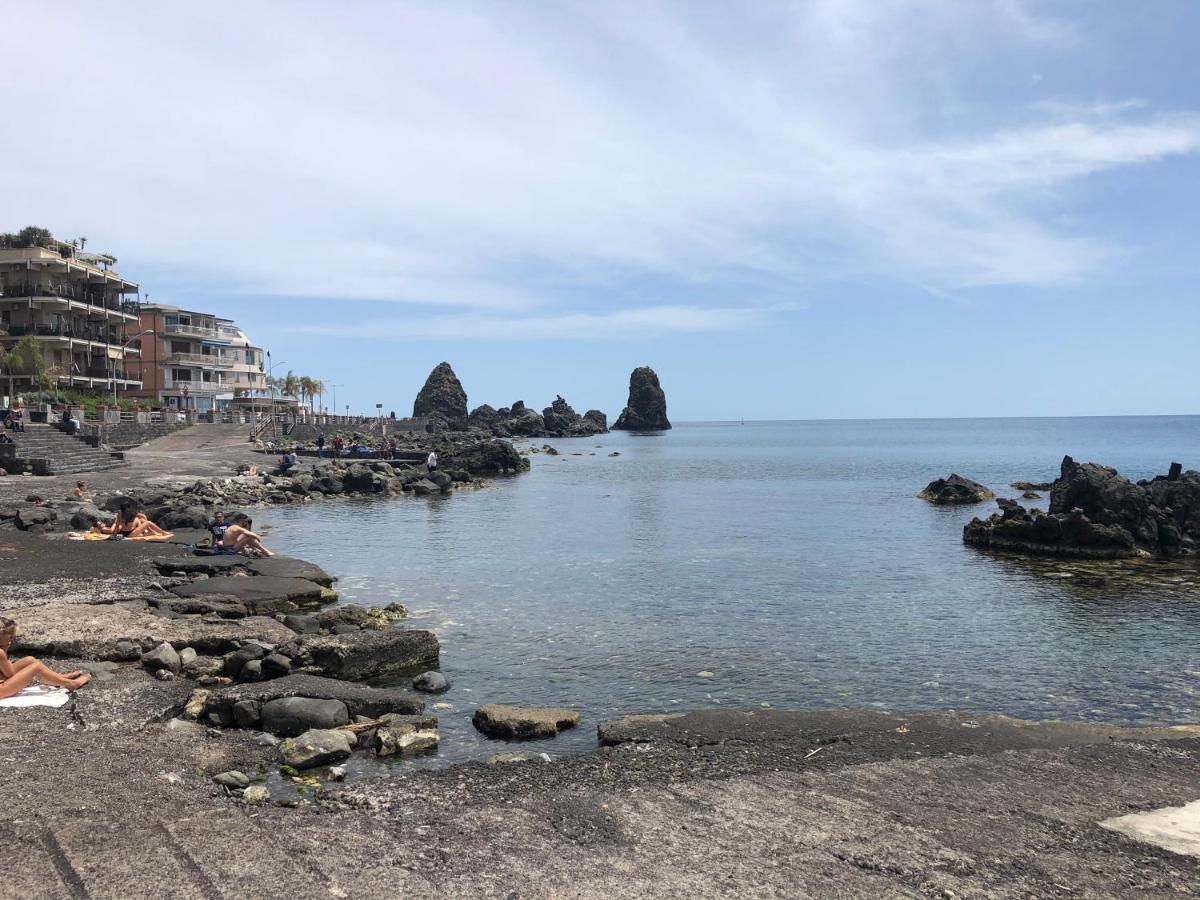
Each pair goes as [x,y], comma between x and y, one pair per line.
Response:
[646,409]
[558,419]
[1096,513]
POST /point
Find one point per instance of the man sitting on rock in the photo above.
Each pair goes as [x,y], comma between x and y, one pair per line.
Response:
[239,538]
[16,676]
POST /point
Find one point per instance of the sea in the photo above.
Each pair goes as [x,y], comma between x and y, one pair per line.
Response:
[783,565]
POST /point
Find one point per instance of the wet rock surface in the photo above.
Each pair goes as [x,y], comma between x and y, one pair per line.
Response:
[955,489]
[368,653]
[1096,513]
[646,409]
[359,699]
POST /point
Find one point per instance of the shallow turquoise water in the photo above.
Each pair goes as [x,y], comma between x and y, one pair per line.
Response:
[789,562]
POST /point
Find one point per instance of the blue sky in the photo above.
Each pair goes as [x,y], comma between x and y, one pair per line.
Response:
[796,210]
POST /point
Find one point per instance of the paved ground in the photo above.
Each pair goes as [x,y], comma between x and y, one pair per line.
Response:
[713,805]
[200,451]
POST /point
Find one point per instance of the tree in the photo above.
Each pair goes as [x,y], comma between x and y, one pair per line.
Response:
[318,388]
[290,386]
[310,387]
[25,350]
[34,236]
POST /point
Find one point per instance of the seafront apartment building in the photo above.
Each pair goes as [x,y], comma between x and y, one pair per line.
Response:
[79,311]
[194,360]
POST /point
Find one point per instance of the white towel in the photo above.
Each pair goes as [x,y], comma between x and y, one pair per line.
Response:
[38,695]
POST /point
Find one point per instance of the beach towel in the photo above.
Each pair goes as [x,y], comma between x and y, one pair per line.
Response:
[94,536]
[37,695]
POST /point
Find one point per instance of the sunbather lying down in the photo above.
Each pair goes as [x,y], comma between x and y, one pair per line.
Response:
[15,676]
[131,523]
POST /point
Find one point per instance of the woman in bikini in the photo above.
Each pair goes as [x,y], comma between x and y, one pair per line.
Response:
[131,523]
[15,676]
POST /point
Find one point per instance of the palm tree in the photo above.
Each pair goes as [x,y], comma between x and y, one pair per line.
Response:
[23,350]
[290,386]
[318,388]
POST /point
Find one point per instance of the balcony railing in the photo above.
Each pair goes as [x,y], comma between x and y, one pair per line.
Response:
[98,335]
[192,330]
[196,387]
[207,360]
[92,296]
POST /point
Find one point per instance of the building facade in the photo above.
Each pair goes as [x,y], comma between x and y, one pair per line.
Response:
[194,360]
[79,312]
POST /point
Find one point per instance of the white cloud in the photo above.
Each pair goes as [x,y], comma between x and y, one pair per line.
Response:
[500,157]
[643,322]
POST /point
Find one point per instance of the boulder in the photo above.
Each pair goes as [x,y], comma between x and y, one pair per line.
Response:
[292,715]
[646,409]
[174,518]
[523,723]
[276,665]
[233,779]
[955,489]
[315,747]
[343,614]
[87,515]
[406,735]
[363,654]
[442,400]
[431,683]
[162,657]
[34,517]
[359,699]
[236,661]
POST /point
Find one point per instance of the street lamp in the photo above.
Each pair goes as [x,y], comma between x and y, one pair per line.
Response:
[124,346]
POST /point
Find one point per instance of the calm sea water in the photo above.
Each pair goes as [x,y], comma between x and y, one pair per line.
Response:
[787,564]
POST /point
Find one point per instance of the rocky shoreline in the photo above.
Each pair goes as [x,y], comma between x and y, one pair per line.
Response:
[1096,513]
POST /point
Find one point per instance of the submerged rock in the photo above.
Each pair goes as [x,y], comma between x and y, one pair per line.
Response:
[442,400]
[955,489]
[523,723]
[646,409]
[431,683]
[405,735]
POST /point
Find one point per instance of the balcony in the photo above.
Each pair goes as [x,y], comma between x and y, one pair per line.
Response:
[204,360]
[97,335]
[196,386]
[92,296]
[193,331]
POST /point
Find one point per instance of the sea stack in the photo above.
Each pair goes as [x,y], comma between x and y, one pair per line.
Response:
[647,406]
[442,401]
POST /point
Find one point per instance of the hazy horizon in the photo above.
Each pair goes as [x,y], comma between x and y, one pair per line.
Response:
[836,209]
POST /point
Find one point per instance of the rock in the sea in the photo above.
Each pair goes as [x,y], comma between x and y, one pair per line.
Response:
[442,401]
[955,489]
[1096,513]
[405,735]
[522,723]
[315,747]
[294,715]
[647,406]
[163,657]
[431,683]
[366,653]
[562,421]
[1032,485]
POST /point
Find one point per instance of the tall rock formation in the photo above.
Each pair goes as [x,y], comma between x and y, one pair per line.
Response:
[442,401]
[647,406]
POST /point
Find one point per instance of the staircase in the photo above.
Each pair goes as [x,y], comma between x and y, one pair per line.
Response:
[63,454]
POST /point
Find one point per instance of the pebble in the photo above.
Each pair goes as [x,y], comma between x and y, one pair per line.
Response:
[337,773]
[704,674]
[263,739]
[232,779]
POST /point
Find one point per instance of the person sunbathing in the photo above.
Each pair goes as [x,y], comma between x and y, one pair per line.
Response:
[238,538]
[131,523]
[16,676]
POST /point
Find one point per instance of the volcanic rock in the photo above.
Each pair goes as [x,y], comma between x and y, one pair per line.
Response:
[955,489]
[442,400]
[522,723]
[368,653]
[647,406]
[1096,513]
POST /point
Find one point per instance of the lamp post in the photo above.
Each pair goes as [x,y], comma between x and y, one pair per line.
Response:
[334,388]
[124,346]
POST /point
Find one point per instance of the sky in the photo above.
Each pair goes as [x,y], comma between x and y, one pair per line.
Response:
[825,209]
